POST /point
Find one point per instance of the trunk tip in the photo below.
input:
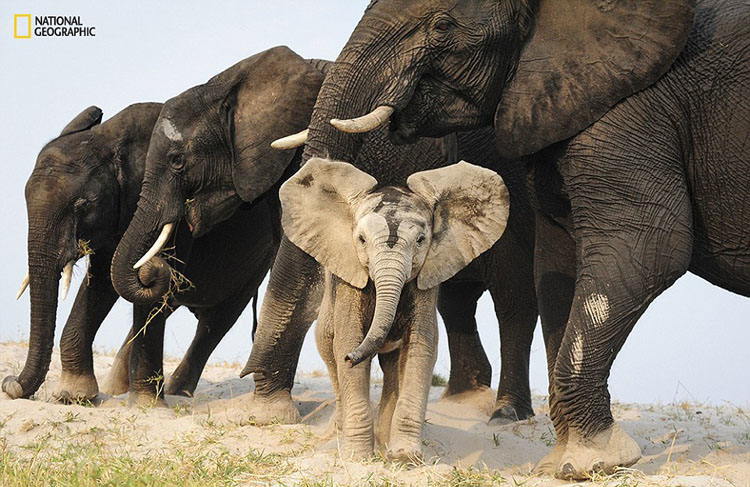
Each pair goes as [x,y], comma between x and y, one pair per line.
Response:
[12,387]
[251,369]
[354,358]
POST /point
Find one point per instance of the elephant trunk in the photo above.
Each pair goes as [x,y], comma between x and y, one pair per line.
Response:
[359,95]
[44,279]
[150,281]
[389,273]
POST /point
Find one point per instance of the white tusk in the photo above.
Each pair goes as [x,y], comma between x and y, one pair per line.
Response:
[366,123]
[66,278]
[291,141]
[158,245]
[24,285]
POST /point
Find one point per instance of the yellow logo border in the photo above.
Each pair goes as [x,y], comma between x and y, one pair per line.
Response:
[15,26]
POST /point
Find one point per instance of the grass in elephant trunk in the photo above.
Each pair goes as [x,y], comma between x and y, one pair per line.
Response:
[178,283]
[85,250]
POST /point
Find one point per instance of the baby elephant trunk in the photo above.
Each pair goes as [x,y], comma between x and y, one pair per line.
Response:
[389,273]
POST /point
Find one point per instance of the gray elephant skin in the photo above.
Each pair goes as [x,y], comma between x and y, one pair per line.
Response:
[633,116]
[80,197]
[398,244]
[211,147]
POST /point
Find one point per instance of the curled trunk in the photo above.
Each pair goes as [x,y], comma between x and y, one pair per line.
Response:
[150,282]
[389,277]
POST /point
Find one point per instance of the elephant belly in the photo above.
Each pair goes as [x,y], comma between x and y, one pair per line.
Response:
[236,253]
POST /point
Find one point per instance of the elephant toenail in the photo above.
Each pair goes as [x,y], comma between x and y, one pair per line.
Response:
[568,471]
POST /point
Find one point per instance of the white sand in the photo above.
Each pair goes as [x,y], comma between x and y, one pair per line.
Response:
[683,444]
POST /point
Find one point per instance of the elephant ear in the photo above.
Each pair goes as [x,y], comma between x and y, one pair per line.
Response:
[273,97]
[317,215]
[471,208]
[83,121]
[581,58]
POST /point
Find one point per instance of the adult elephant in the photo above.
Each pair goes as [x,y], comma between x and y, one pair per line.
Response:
[640,170]
[80,197]
[211,147]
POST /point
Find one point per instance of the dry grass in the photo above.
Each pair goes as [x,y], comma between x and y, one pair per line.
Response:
[178,283]
[82,465]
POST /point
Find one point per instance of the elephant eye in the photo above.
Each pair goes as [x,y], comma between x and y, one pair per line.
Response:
[420,240]
[442,26]
[177,162]
[362,240]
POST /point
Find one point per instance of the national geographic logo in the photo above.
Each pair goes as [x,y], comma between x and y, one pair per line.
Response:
[50,26]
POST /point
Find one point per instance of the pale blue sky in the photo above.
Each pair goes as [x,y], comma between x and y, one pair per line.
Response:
[692,343]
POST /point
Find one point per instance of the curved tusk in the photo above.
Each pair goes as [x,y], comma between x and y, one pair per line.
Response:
[291,141]
[24,285]
[66,278]
[366,123]
[158,245]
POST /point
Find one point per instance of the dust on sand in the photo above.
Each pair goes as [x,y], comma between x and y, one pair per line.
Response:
[683,444]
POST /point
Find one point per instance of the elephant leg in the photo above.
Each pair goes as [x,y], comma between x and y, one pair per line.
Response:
[349,311]
[94,300]
[416,364]
[555,277]
[630,247]
[146,371]
[470,368]
[213,324]
[511,284]
[290,305]
[389,363]
[118,380]
[324,342]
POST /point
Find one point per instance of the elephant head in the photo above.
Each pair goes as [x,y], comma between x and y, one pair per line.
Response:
[539,70]
[445,219]
[210,152]
[78,192]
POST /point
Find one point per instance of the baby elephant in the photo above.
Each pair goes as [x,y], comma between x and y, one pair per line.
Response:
[385,250]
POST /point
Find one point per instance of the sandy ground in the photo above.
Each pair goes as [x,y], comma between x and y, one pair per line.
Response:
[684,444]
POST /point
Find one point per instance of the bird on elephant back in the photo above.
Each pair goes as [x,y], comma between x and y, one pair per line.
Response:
[80,198]
[212,147]
[632,116]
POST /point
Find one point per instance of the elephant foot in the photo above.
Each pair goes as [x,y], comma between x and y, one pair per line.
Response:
[117,382]
[506,412]
[602,453]
[548,465]
[405,452]
[145,400]
[482,398]
[12,387]
[180,387]
[76,387]
[277,408]
[357,451]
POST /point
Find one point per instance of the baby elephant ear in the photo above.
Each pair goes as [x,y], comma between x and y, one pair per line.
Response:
[471,208]
[317,215]
[83,121]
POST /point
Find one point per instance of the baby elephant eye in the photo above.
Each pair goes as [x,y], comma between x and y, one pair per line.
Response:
[362,240]
[420,240]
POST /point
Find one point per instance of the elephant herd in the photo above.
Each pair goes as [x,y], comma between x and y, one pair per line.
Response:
[605,149]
